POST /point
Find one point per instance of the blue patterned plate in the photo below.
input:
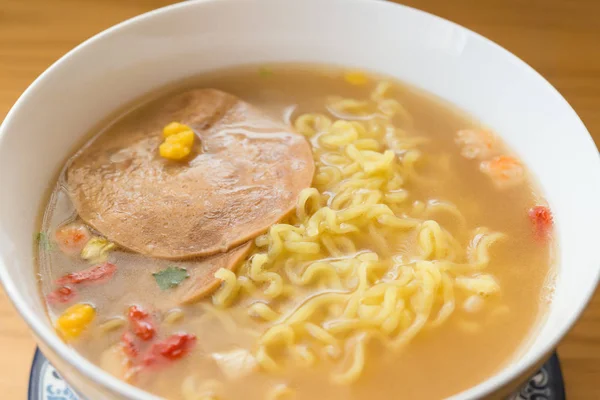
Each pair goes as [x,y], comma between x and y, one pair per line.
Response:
[46,384]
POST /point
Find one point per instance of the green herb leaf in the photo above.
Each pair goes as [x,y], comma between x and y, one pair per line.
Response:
[44,242]
[265,72]
[170,277]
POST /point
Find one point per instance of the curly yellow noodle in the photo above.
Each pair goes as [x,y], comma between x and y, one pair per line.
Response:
[265,361]
[391,323]
[247,286]
[396,196]
[378,240]
[314,271]
[478,249]
[263,311]
[434,207]
[367,144]
[174,316]
[338,245]
[327,174]
[381,91]
[392,107]
[357,366]
[449,303]
[335,158]
[309,201]
[259,274]
[347,108]
[278,334]
[304,356]
[309,124]
[321,334]
[483,285]
[341,133]
[314,303]
[112,325]
[342,199]
[229,288]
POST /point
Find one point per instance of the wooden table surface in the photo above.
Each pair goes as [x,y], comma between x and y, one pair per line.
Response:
[559,38]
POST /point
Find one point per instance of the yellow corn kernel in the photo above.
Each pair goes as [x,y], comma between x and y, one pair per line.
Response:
[174,128]
[73,321]
[174,151]
[179,139]
[184,138]
[355,78]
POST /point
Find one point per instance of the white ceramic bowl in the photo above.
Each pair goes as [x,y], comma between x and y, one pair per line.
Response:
[175,42]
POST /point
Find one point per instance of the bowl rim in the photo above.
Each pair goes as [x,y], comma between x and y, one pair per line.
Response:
[91,371]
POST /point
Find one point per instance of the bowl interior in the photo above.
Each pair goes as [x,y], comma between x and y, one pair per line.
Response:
[167,45]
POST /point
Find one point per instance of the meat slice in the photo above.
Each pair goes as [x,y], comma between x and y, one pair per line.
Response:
[202,281]
[244,175]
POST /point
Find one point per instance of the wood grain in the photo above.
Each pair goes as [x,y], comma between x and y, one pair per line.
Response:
[559,38]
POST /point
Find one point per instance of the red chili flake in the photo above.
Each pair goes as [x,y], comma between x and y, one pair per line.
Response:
[63,294]
[136,312]
[172,348]
[96,273]
[129,346]
[143,329]
[140,323]
[542,220]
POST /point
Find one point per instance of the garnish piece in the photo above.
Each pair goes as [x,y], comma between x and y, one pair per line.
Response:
[542,220]
[504,170]
[170,277]
[171,348]
[97,249]
[72,238]
[179,139]
[45,243]
[63,294]
[141,323]
[174,151]
[97,273]
[236,363]
[116,362]
[356,78]
[74,320]
[129,346]
[174,128]
[475,143]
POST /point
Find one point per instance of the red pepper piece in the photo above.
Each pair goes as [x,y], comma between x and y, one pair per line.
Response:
[136,312]
[129,346]
[542,220]
[171,348]
[97,273]
[140,323]
[143,329]
[63,294]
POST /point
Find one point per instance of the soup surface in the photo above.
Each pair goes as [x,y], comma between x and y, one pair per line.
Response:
[415,265]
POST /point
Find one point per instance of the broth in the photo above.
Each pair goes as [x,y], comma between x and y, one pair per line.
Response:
[482,334]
